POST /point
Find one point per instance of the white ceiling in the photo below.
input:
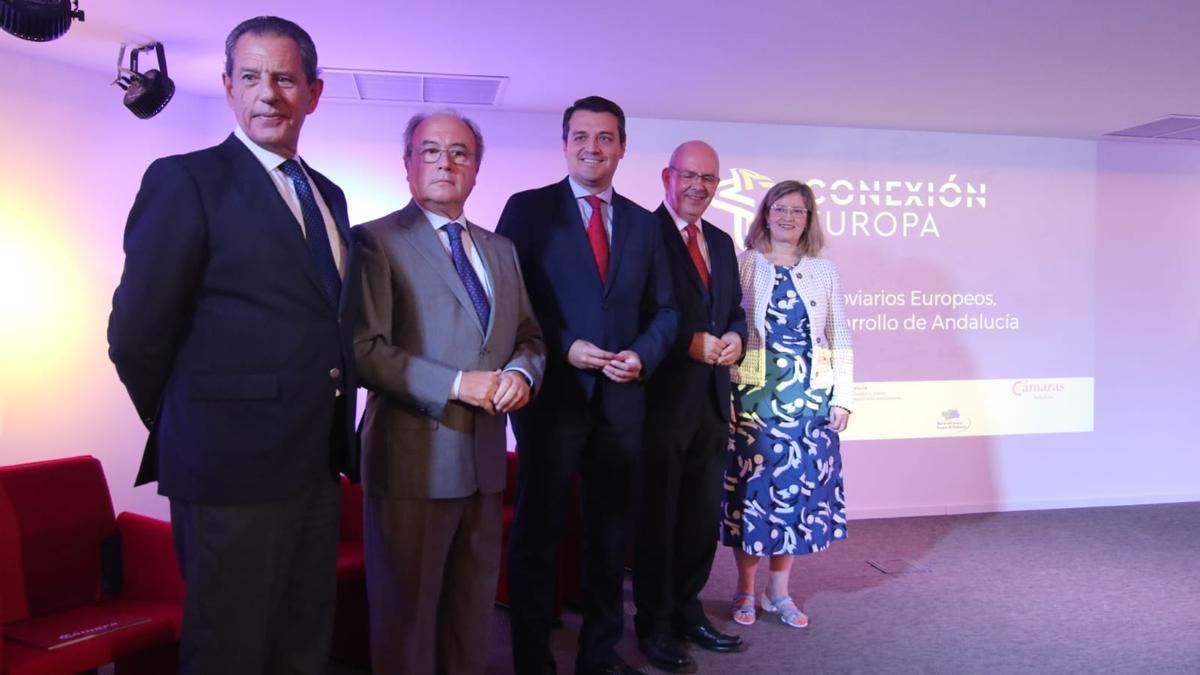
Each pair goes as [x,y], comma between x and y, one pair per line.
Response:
[1046,68]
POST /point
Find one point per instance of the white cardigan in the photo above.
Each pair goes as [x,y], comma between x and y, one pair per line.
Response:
[816,280]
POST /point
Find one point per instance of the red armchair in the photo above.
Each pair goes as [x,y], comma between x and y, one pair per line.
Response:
[60,613]
[351,635]
[570,562]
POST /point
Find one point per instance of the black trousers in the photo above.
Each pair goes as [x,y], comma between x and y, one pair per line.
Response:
[551,450]
[260,582]
[678,518]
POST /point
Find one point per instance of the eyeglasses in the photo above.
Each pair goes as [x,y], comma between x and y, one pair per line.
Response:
[457,155]
[788,212]
[691,176]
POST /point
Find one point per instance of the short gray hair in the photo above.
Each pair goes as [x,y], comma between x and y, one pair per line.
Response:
[415,121]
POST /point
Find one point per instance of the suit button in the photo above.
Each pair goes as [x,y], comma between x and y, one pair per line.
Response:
[335,373]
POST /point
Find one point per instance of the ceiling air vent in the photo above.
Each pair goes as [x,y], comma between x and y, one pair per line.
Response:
[398,87]
[1169,128]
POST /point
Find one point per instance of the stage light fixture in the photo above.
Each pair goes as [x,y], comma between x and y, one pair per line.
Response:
[38,20]
[146,94]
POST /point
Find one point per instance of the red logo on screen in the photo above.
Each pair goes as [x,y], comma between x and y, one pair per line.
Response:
[1021,387]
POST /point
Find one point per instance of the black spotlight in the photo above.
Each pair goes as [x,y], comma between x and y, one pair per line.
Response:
[146,94]
[38,20]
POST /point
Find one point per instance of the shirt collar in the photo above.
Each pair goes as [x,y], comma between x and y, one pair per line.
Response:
[580,192]
[268,159]
[680,223]
[439,221]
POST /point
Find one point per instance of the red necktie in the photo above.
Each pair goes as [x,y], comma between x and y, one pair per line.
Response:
[597,237]
[693,233]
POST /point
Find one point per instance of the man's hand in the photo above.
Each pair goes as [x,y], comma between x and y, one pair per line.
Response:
[838,419]
[732,351]
[706,347]
[513,392]
[477,387]
[625,366]
[587,356]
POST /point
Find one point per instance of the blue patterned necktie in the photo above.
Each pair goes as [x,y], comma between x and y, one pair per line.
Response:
[319,248]
[467,273]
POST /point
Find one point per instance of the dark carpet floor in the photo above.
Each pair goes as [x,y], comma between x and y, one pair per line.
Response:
[1102,590]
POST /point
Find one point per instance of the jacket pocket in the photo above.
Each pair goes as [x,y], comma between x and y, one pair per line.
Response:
[233,387]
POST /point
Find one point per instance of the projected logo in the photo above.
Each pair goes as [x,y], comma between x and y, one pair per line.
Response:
[1040,389]
[738,196]
[952,421]
[857,207]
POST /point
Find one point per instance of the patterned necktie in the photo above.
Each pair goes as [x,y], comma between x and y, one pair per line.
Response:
[467,273]
[693,233]
[597,237]
[319,248]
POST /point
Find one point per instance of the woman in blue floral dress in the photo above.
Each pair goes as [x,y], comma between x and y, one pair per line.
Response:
[783,481]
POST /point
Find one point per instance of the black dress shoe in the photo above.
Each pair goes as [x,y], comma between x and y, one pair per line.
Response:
[664,654]
[705,636]
[614,669]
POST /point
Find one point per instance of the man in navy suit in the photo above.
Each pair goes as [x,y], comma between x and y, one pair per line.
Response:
[596,270]
[230,331]
[688,408]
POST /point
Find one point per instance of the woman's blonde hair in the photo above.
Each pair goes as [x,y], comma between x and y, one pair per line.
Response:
[812,240]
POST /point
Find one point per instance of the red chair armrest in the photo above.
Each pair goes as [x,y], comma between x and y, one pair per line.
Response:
[149,568]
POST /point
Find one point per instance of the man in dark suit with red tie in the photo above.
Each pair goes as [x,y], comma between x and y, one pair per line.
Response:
[689,406]
[230,330]
[596,270]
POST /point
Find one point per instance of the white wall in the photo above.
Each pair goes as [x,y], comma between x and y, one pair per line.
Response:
[72,158]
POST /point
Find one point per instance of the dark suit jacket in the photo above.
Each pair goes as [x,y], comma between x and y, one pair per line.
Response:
[221,333]
[682,384]
[418,328]
[634,310]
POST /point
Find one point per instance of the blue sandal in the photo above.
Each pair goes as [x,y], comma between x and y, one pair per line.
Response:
[789,613]
[743,609]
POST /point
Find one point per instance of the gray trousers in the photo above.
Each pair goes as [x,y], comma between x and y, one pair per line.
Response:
[432,566]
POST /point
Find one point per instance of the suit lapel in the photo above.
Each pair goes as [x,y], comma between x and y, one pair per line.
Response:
[580,256]
[263,200]
[679,251]
[337,208]
[620,234]
[493,266]
[333,200]
[718,282]
[418,232]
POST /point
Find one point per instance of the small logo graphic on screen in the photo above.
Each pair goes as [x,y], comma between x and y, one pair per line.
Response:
[953,422]
[1037,389]
[860,206]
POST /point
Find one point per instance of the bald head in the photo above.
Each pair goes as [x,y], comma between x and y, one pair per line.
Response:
[690,179]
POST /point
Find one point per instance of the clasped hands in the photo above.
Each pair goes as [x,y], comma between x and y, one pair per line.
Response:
[715,351]
[622,366]
[493,390]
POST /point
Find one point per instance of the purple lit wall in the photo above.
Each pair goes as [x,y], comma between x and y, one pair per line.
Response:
[1092,245]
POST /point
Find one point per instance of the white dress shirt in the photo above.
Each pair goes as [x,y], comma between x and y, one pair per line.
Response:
[585,209]
[682,224]
[439,227]
[273,163]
